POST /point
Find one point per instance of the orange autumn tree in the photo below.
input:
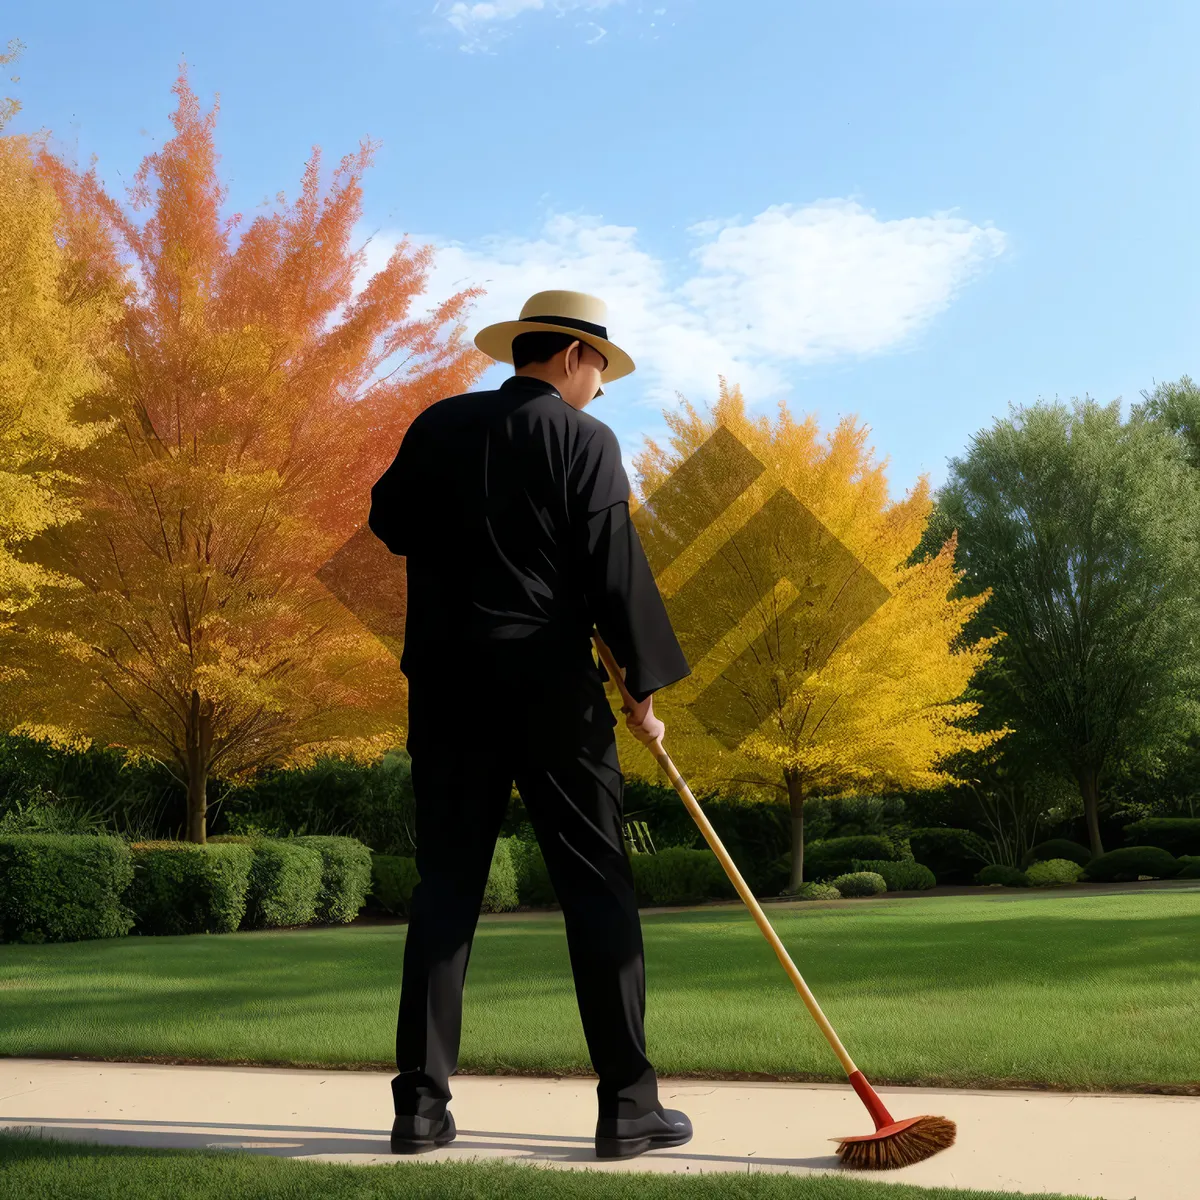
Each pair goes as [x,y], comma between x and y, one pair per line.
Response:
[255,397]
[822,664]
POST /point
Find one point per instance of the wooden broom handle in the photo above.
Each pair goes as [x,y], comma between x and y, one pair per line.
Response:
[735,876]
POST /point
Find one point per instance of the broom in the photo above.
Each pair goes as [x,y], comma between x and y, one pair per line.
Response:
[894,1143]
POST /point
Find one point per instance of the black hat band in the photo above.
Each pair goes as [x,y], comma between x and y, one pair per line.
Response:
[571,323]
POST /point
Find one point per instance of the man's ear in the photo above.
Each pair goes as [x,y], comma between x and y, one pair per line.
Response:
[574,353]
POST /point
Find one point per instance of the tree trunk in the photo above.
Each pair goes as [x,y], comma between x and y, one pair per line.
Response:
[1089,786]
[199,747]
[796,804]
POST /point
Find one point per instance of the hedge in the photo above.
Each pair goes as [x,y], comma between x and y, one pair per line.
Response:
[997,874]
[1179,835]
[825,859]
[500,892]
[533,879]
[1057,848]
[953,855]
[1191,867]
[902,876]
[345,876]
[814,891]
[393,878]
[63,887]
[1052,872]
[1118,866]
[184,887]
[679,876]
[860,883]
[285,879]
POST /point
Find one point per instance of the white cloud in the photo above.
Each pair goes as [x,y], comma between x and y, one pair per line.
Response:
[479,24]
[754,299]
[792,286]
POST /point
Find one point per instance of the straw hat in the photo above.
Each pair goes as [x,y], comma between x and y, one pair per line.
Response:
[576,313]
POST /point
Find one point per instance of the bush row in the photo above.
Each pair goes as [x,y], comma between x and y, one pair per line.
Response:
[71,887]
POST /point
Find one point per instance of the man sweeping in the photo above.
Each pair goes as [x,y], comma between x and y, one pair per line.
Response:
[511,508]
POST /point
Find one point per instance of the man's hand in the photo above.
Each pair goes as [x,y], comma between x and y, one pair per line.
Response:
[642,723]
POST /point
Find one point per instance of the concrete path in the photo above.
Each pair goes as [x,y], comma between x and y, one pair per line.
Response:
[1115,1147]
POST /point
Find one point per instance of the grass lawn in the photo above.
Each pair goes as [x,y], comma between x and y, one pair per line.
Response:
[1082,992]
[63,1171]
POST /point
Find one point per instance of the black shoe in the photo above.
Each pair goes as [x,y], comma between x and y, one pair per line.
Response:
[623,1138]
[413,1135]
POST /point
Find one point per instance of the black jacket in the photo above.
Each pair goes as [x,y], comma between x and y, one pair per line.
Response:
[511,508]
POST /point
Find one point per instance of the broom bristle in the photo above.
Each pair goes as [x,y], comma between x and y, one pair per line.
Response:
[921,1140]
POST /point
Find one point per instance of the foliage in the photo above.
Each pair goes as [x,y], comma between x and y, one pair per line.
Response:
[1179,835]
[179,887]
[823,860]
[902,876]
[248,414]
[953,855]
[1000,875]
[1131,862]
[1046,872]
[678,876]
[345,876]
[500,892]
[533,879]
[860,883]
[55,322]
[813,891]
[826,664]
[1110,566]
[63,888]
[1057,848]
[370,801]
[1015,801]
[393,877]
[1191,867]
[285,879]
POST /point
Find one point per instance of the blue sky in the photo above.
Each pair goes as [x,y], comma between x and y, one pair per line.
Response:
[917,213]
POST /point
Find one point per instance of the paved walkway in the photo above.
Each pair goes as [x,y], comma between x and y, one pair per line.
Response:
[1116,1147]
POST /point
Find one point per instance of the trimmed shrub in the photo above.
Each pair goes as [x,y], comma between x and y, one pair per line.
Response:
[58,887]
[1178,835]
[533,880]
[825,860]
[814,891]
[1057,848]
[1053,871]
[998,875]
[860,883]
[901,876]
[345,876]
[182,887]
[393,878]
[284,882]
[500,894]
[1121,866]
[953,855]
[679,876]
[1191,867]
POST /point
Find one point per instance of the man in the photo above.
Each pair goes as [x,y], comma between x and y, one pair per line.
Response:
[512,510]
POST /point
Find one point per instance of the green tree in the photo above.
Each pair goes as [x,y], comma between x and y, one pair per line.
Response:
[1084,530]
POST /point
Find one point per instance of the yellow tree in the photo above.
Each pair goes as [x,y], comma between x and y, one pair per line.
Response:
[53,323]
[823,664]
[254,394]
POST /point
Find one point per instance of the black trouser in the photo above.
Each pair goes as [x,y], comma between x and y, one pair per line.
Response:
[472,732]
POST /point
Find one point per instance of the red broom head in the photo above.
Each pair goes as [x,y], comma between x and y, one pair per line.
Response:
[894,1143]
[897,1145]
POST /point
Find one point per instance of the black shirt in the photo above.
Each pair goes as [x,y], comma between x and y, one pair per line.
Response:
[511,508]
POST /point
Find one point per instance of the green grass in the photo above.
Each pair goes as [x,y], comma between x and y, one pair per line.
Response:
[1082,992]
[53,1170]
